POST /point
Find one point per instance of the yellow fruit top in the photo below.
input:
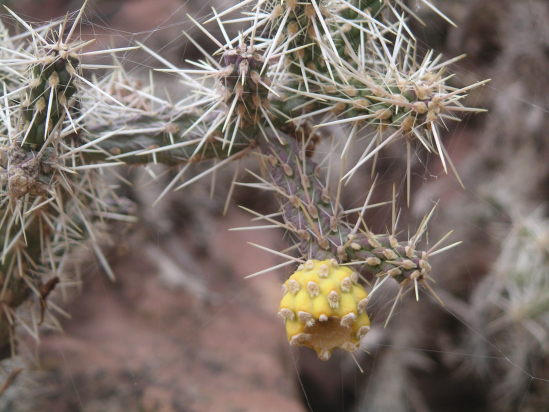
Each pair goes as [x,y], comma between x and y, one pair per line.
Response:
[324,307]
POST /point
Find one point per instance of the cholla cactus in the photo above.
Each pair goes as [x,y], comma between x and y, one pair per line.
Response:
[298,67]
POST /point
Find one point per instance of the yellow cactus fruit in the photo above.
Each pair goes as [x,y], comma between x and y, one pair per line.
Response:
[324,307]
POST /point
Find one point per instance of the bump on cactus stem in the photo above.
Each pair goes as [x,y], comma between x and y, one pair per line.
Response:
[324,307]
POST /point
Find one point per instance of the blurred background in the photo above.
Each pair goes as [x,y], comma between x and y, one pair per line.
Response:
[181,330]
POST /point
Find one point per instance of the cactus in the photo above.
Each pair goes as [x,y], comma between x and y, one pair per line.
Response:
[299,67]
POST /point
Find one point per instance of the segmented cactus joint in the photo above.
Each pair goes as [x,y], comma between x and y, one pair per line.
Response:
[324,307]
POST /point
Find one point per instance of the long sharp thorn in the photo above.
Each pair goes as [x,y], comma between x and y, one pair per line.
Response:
[399,294]
[78,17]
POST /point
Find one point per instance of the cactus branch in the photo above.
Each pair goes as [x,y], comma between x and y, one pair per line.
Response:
[317,222]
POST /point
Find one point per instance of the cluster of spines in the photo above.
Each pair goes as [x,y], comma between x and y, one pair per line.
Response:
[243,82]
[361,71]
[386,255]
[49,95]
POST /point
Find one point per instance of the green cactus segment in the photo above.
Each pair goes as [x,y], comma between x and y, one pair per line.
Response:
[407,96]
[22,238]
[306,26]
[150,139]
[373,7]
[310,30]
[317,224]
[34,243]
[353,18]
[306,207]
[46,214]
[364,99]
[245,88]
[384,255]
[304,29]
[49,96]
[17,281]
[175,138]
[296,25]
